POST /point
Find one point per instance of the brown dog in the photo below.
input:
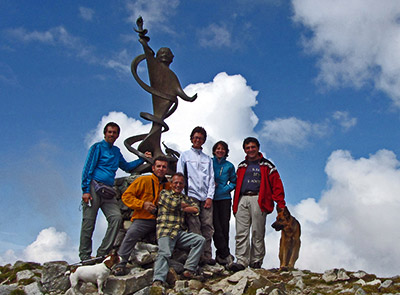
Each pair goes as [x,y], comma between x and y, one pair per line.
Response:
[290,238]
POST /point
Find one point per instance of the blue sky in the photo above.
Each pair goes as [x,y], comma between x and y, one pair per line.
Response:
[318,82]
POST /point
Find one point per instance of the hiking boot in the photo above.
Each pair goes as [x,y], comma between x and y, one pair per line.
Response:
[120,269]
[90,260]
[224,261]
[235,267]
[188,274]
[208,261]
[256,264]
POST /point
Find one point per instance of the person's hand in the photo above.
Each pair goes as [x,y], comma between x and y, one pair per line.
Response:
[149,206]
[208,203]
[184,205]
[148,154]
[86,197]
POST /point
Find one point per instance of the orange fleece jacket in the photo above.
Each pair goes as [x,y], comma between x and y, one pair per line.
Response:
[140,191]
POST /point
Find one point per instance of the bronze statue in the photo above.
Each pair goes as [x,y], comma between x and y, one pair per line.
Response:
[164,88]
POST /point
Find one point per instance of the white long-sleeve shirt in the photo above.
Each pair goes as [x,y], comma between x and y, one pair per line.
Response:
[200,173]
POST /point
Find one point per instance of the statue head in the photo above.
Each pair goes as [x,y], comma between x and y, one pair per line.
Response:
[164,55]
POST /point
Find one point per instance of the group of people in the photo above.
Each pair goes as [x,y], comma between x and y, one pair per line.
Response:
[190,211]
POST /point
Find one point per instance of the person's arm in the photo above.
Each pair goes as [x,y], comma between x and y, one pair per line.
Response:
[189,209]
[129,166]
[278,194]
[87,173]
[231,184]
[189,206]
[180,164]
[211,186]
[132,197]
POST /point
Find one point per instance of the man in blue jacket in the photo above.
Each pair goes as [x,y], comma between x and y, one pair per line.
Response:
[102,163]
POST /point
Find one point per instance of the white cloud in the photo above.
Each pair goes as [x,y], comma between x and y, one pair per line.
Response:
[86,13]
[50,245]
[344,120]
[57,36]
[357,41]
[120,62]
[291,131]
[155,13]
[355,223]
[215,36]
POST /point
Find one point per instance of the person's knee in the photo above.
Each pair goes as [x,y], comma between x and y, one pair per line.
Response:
[199,241]
[114,219]
[165,253]
[88,224]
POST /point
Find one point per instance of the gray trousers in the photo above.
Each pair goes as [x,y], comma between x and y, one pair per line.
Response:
[112,213]
[202,224]
[137,231]
[166,246]
[250,218]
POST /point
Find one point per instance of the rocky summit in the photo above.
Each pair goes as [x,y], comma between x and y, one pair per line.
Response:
[51,278]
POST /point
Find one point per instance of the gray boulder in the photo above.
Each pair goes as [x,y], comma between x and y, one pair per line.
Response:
[54,278]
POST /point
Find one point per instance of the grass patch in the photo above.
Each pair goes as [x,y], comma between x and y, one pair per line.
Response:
[9,274]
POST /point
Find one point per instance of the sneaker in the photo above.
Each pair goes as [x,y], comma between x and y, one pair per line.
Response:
[235,267]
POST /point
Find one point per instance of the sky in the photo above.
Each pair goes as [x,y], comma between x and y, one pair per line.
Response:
[317,81]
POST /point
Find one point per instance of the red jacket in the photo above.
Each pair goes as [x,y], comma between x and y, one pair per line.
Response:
[271,187]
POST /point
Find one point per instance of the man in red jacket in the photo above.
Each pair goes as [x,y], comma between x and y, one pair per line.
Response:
[258,186]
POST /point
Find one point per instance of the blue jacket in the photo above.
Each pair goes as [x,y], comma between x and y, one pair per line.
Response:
[225,179]
[102,163]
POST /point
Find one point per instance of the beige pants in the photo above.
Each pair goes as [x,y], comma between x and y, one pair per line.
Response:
[202,224]
[250,218]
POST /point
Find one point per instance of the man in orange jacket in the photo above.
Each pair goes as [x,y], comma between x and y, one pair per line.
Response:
[142,196]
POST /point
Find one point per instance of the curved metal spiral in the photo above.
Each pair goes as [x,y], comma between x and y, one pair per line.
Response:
[149,117]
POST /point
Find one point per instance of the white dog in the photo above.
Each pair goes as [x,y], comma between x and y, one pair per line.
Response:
[97,273]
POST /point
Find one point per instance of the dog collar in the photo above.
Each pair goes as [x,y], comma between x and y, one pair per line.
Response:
[107,266]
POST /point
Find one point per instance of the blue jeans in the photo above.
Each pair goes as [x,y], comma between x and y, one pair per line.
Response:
[166,246]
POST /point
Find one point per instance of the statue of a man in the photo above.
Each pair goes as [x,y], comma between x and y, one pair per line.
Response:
[164,87]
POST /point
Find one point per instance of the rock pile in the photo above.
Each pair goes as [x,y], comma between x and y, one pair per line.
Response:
[50,278]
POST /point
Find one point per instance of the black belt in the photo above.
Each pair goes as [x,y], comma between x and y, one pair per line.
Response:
[250,193]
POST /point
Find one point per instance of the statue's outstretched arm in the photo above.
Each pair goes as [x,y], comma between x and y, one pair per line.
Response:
[147,49]
[184,96]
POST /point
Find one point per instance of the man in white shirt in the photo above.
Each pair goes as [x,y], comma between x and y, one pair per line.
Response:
[198,170]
